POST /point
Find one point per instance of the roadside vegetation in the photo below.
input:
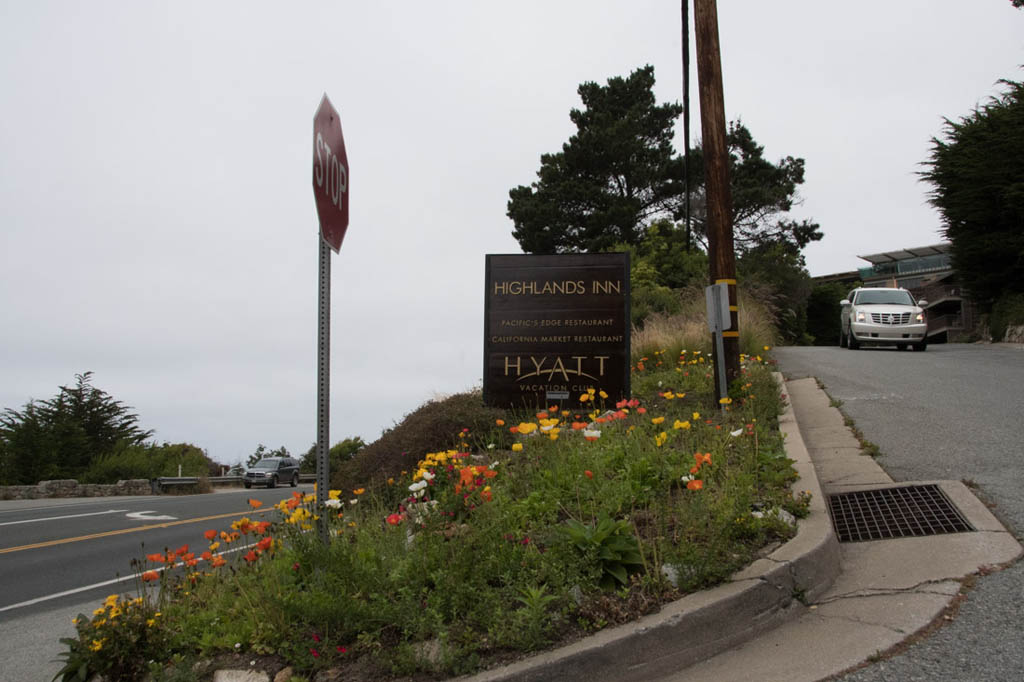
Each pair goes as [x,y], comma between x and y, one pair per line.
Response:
[479,541]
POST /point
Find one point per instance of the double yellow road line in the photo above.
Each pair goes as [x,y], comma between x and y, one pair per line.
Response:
[122,531]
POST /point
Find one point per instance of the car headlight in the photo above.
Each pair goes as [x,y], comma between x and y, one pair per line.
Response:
[861,317]
[919,318]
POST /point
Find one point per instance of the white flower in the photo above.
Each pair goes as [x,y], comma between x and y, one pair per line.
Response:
[687,478]
[591,433]
[736,432]
[333,504]
[418,485]
[427,476]
[495,464]
[490,446]
[354,501]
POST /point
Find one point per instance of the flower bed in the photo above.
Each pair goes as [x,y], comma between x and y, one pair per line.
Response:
[540,530]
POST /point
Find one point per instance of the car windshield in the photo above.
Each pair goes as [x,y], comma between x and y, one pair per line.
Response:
[265,464]
[884,296]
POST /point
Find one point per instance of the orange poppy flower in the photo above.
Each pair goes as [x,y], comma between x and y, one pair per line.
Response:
[265,543]
[588,473]
[155,558]
[695,484]
[499,422]
[150,576]
[251,556]
[210,534]
[217,561]
[255,504]
[206,556]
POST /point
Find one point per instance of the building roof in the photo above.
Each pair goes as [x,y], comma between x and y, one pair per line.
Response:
[904,254]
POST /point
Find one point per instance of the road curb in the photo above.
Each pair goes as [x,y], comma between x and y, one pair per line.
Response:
[760,597]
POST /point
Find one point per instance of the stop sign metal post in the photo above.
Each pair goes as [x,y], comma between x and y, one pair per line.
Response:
[331,193]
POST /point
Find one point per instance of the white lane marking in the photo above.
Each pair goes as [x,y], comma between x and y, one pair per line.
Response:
[68,516]
[141,516]
[86,588]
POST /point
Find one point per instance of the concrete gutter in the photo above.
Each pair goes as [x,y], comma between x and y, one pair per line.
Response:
[755,600]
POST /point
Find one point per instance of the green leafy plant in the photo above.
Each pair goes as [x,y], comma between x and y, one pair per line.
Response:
[611,544]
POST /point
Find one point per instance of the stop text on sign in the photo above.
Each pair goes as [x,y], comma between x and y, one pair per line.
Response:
[329,172]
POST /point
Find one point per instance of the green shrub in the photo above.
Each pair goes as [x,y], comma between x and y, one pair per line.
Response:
[436,425]
[1006,312]
[148,461]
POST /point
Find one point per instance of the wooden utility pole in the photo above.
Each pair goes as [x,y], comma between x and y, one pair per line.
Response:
[721,258]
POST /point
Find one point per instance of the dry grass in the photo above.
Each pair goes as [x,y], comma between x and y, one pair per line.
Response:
[688,329]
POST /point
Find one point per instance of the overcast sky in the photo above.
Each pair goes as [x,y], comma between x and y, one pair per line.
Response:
[158,224]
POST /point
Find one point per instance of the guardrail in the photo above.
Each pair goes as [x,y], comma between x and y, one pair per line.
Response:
[165,483]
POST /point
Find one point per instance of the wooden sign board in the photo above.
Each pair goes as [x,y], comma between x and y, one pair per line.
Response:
[554,327]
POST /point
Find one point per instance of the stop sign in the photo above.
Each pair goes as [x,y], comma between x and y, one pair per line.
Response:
[330,174]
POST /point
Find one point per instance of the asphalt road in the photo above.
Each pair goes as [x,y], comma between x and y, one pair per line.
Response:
[59,558]
[953,412]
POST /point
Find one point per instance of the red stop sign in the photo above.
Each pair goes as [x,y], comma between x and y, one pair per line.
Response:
[330,174]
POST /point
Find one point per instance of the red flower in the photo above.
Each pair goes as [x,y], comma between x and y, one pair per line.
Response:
[206,556]
[210,535]
[695,484]
[314,652]
[588,473]
[251,556]
[265,543]
[217,562]
[181,550]
[155,558]
[316,637]
[341,649]
[395,519]
[150,576]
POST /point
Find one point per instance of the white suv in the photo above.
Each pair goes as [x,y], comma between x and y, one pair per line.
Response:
[882,317]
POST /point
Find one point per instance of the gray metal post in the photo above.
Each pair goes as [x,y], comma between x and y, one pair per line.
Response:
[323,390]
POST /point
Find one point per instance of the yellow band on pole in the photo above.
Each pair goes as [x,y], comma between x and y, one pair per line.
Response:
[725,281]
[731,334]
[734,309]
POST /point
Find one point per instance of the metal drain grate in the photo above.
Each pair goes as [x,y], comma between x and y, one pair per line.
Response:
[910,511]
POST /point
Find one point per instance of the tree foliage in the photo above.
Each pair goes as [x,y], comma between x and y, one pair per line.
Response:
[619,174]
[262,451]
[615,175]
[340,452]
[777,268]
[977,174]
[61,436]
[762,192]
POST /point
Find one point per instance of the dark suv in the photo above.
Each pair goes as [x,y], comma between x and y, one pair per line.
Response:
[270,471]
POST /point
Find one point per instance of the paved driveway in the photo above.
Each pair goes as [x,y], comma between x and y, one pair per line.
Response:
[953,412]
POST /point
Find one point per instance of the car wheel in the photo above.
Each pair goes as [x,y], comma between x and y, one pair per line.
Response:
[247,485]
[272,483]
[920,346]
[851,341]
[295,480]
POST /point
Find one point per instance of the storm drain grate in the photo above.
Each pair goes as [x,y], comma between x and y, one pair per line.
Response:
[910,511]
